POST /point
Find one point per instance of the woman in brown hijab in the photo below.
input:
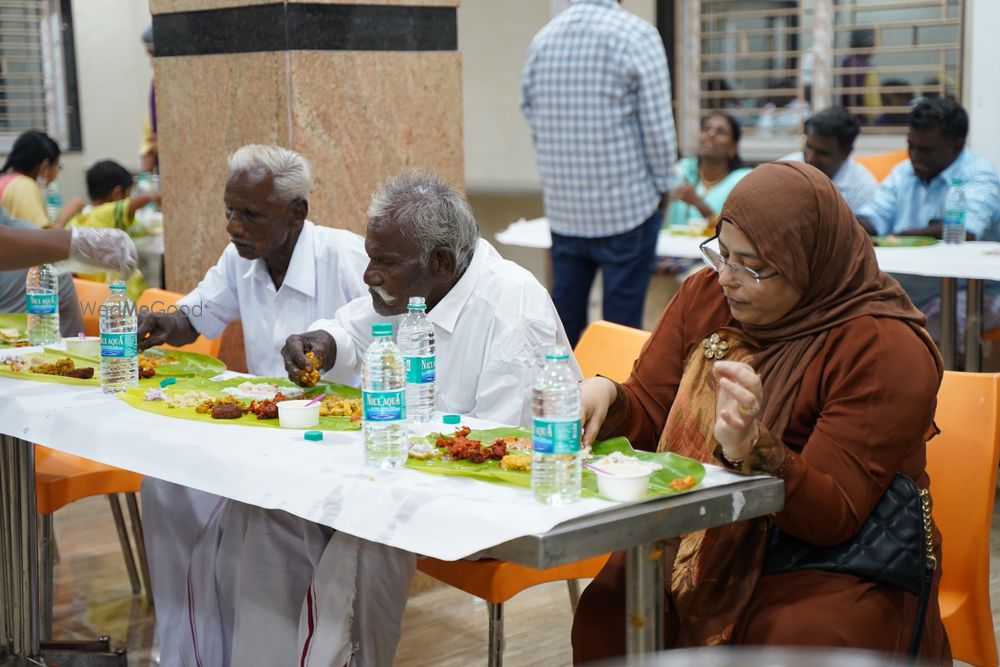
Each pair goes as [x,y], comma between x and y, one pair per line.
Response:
[796,357]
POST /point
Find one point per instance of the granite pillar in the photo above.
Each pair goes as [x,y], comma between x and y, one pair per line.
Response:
[363,89]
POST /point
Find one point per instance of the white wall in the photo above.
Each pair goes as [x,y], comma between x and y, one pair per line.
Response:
[113,76]
[493,38]
[982,95]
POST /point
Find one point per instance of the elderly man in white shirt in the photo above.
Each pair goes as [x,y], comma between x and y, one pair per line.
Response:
[279,273]
[830,136]
[490,317]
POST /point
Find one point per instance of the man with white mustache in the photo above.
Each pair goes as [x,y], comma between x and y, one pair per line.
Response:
[490,316]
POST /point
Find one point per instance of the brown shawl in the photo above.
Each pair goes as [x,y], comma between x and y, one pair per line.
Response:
[800,225]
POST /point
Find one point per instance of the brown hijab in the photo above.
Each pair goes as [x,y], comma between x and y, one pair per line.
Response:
[800,225]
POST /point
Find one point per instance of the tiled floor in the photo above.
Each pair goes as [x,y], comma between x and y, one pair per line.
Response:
[442,626]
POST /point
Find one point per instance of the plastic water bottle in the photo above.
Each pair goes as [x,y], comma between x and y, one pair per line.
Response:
[555,434]
[53,201]
[41,302]
[953,229]
[119,352]
[383,401]
[416,343]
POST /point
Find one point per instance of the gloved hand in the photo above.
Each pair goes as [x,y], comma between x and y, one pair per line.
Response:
[323,347]
[97,248]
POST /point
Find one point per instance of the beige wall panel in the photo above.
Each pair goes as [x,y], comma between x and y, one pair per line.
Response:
[208,106]
[360,117]
[170,6]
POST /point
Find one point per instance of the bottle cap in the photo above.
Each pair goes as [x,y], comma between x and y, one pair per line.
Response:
[118,285]
[166,382]
[313,436]
[417,303]
[956,181]
[556,353]
[382,329]
[452,419]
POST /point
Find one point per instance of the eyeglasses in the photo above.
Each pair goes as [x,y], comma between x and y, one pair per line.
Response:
[715,261]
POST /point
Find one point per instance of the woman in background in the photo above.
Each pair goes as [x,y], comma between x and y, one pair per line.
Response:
[32,164]
[707,179]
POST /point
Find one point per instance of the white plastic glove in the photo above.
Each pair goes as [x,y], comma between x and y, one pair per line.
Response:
[98,248]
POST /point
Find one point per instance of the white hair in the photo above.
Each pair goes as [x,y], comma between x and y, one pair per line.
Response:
[291,172]
[429,212]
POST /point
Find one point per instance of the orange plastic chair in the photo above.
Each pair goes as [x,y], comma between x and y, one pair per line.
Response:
[881,164]
[62,478]
[91,295]
[157,300]
[962,464]
[605,348]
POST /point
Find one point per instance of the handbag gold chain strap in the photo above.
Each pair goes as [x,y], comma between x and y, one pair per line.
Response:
[925,505]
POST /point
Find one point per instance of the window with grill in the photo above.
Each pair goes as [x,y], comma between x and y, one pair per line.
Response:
[37,77]
[771,63]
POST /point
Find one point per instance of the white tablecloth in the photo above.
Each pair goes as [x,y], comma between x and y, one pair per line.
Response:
[978,260]
[441,516]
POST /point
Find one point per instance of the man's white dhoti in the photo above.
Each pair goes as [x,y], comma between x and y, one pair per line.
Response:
[173,517]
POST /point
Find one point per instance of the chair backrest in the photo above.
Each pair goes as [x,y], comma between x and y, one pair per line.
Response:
[91,295]
[882,163]
[609,349]
[159,300]
[962,464]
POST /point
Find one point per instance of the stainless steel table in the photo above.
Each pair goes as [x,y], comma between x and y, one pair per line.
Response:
[641,530]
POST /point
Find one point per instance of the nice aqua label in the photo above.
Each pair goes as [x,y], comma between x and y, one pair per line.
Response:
[555,437]
[420,370]
[383,406]
[41,304]
[118,345]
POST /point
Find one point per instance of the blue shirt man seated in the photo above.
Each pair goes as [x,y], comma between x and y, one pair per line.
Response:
[910,201]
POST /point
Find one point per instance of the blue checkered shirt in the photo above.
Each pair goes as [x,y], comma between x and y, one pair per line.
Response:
[596,94]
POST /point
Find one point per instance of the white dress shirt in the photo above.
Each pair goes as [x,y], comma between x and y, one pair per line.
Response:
[325,272]
[488,330]
[855,183]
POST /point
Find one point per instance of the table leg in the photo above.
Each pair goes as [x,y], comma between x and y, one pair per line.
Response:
[949,321]
[644,600]
[21,556]
[974,326]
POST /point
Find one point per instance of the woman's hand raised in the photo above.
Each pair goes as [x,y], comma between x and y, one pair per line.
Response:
[736,407]
[596,396]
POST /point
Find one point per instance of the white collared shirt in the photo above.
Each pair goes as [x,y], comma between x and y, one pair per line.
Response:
[488,330]
[325,272]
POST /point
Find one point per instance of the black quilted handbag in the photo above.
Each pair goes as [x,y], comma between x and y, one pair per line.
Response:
[893,548]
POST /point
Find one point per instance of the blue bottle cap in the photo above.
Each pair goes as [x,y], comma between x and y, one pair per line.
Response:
[313,435]
[166,382]
[382,329]
[452,419]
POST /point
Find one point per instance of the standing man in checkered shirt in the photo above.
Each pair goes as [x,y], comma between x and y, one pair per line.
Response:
[596,94]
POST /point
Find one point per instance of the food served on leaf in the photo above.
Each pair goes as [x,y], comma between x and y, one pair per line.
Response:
[520,462]
[336,406]
[618,457]
[208,405]
[310,376]
[265,408]
[187,399]
[683,484]
[148,364]
[227,411]
[12,336]
[261,391]
[460,446]
[62,367]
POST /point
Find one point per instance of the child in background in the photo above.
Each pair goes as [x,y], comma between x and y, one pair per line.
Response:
[32,164]
[108,185]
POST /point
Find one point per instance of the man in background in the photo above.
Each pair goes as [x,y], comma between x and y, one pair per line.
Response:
[830,136]
[596,95]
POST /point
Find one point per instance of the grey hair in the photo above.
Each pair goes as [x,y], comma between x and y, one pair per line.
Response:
[291,172]
[429,212]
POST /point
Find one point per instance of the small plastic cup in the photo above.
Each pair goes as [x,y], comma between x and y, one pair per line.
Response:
[296,414]
[88,346]
[623,481]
